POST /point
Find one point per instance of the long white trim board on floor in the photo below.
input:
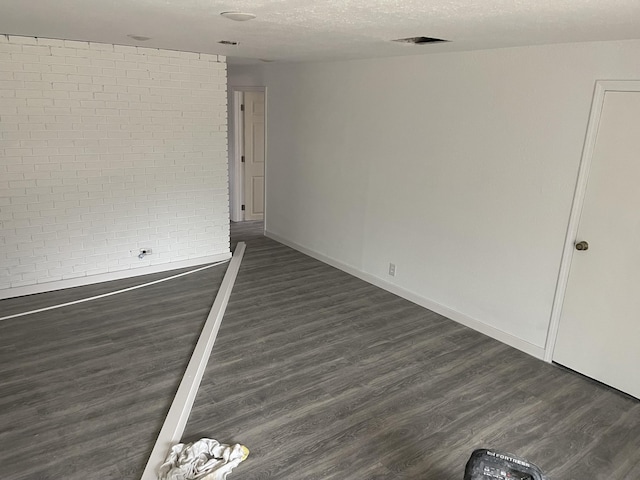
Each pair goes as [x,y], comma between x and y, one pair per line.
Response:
[103,295]
[176,419]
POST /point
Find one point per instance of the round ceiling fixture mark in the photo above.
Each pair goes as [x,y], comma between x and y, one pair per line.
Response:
[238,16]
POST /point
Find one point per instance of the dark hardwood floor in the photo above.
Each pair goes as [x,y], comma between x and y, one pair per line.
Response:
[84,389]
[321,375]
[246,231]
[324,376]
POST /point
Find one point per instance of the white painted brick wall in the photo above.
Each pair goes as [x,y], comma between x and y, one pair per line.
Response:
[107,149]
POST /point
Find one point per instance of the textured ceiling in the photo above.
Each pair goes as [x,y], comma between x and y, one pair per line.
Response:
[306,30]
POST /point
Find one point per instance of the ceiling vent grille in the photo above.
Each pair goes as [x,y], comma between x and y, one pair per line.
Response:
[139,38]
[420,40]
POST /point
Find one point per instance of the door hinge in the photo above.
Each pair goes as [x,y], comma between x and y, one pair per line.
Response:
[242,208]
[242,159]
[242,107]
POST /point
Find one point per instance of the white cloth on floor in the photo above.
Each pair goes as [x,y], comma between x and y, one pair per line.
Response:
[205,459]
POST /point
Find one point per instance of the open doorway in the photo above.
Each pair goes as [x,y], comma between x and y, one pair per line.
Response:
[247,151]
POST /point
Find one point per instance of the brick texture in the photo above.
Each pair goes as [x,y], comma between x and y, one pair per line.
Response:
[106,149]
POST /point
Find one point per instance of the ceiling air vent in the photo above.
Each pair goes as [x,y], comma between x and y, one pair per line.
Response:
[139,38]
[420,40]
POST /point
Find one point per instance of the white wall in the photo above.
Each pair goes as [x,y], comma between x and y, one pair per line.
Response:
[244,75]
[459,168]
[107,149]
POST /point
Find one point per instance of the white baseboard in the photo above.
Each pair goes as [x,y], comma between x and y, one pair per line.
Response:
[436,307]
[176,420]
[107,277]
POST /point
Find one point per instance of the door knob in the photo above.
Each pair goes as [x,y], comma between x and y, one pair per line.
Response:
[582,245]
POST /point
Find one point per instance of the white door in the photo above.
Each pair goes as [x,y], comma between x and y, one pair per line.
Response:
[599,330]
[254,155]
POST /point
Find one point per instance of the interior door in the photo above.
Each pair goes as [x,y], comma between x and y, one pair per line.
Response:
[599,330]
[254,155]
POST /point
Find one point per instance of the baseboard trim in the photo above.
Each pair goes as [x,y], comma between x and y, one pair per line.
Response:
[107,277]
[436,307]
[176,420]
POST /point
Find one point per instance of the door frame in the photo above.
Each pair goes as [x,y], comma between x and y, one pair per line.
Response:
[236,147]
[601,88]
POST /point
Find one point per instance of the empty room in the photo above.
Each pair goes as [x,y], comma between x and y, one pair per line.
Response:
[324,240]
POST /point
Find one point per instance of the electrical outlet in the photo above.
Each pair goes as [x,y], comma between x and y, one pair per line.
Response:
[392,269]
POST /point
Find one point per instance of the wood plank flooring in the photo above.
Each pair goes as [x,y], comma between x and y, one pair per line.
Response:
[84,389]
[323,376]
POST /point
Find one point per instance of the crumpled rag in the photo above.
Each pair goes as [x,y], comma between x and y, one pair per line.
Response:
[206,459]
